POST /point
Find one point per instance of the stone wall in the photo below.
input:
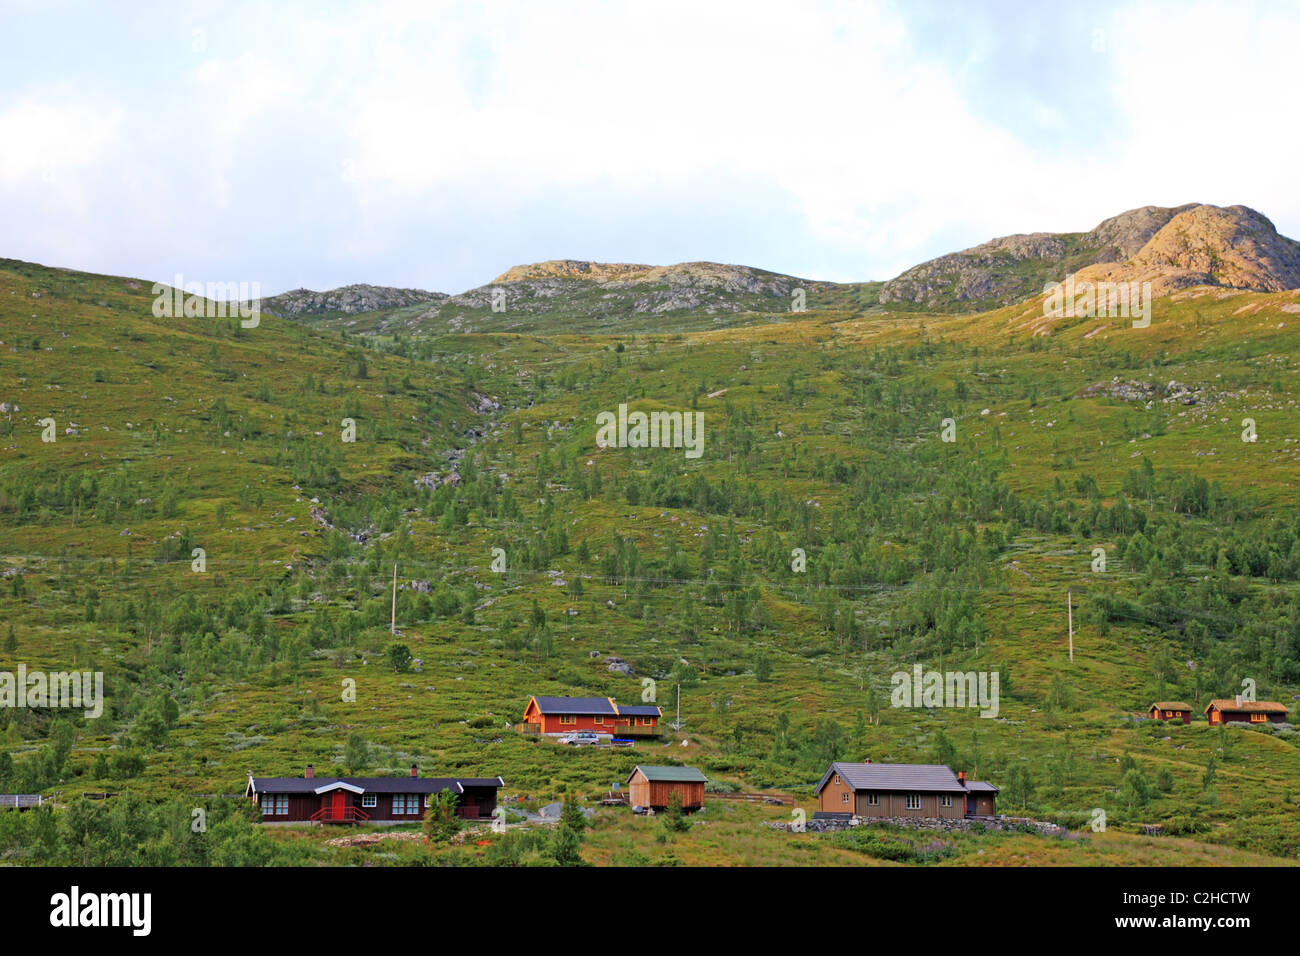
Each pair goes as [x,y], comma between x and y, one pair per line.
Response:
[914,823]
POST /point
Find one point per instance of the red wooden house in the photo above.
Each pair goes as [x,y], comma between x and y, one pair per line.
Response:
[564,715]
[313,799]
[1170,710]
[1245,711]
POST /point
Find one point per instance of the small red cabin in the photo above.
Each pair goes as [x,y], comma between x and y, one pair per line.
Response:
[564,715]
[1170,710]
[312,799]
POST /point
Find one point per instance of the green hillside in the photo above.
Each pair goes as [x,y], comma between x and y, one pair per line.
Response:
[823,432]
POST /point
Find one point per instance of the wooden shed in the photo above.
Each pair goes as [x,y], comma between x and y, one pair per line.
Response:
[654,787]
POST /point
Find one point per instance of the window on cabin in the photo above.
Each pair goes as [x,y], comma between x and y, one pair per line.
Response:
[406,803]
[837,780]
[873,799]
[568,719]
[945,800]
[844,797]
[275,804]
[914,801]
[1258,718]
[369,800]
[599,720]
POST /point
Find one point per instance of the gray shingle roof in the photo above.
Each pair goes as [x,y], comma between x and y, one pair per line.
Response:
[575,705]
[912,777]
[639,710]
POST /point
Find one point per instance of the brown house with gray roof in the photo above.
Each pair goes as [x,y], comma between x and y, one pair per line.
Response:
[924,791]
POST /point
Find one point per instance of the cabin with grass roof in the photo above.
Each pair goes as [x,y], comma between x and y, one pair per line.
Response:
[1170,710]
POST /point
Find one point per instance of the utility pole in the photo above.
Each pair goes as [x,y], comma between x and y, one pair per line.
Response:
[1069,611]
[392,628]
[677,724]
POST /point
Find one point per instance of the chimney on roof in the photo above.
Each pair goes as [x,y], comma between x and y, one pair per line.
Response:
[309,772]
[961,777]
[415,772]
[1238,700]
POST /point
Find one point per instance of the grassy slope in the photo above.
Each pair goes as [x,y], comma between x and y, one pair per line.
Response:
[452,716]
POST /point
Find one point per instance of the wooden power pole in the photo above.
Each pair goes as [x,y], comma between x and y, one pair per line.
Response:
[1069,613]
[392,628]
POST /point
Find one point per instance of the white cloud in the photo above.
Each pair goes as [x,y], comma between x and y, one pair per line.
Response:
[863,143]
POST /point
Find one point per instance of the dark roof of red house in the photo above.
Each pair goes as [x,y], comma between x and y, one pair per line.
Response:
[594,706]
[575,705]
[369,784]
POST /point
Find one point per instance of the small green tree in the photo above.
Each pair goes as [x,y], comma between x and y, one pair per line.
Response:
[11,640]
[566,846]
[943,750]
[1136,789]
[1020,788]
[1164,780]
[441,822]
[674,816]
[763,667]
[356,752]
[399,657]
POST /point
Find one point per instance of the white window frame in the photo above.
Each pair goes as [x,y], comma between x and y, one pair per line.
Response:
[369,800]
[913,801]
[873,799]
[945,800]
[844,798]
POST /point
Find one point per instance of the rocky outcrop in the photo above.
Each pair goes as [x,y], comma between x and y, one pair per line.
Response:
[347,300]
[576,287]
[1171,247]
[1234,247]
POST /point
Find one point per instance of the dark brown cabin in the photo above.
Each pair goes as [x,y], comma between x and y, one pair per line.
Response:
[1170,710]
[1238,711]
[313,799]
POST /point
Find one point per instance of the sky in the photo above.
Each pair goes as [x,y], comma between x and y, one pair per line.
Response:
[434,145]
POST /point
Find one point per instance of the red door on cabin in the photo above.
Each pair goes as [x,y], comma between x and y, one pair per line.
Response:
[338,802]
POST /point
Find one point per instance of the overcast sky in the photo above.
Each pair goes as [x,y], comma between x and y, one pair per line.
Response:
[434,145]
